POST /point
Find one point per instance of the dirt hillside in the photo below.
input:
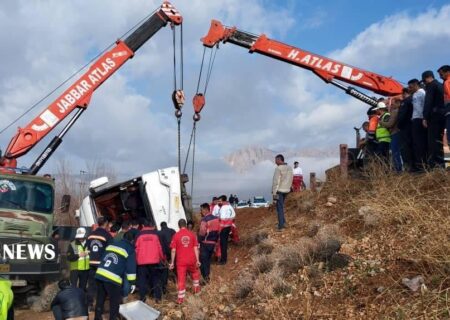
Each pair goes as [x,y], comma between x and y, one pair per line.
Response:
[373,248]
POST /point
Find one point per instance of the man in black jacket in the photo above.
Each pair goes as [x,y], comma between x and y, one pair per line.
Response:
[97,242]
[404,124]
[165,237]
[434,119]
[69,303]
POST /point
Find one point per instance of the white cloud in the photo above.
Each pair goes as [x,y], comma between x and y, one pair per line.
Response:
[252,99]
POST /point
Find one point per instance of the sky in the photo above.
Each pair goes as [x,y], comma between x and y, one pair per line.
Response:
[251,99]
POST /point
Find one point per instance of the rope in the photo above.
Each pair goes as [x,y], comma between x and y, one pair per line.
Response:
[182,58]
[189,149]
[210,67]
[72,75]
[194,130]
[174,58]
[201,69]
[179,142]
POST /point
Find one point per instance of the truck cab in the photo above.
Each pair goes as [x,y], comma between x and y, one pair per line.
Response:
[155,196]
[28,254]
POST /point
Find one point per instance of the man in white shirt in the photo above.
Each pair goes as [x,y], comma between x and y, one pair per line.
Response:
[419,132]
[226,215]
[297,181]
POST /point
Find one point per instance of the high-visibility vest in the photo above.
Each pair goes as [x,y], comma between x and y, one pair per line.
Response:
[382,134]
[82,263]
[6,298]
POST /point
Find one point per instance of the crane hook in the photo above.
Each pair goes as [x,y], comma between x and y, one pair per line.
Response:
[178,99]
[199,102]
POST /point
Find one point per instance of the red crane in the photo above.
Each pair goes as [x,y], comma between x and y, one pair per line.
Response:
[79,94]
[329,70]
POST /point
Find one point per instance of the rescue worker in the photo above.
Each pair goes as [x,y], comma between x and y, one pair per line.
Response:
[165,237]
[6,301]
[382,133]
[125,227]
[213,203]
[281,186]
[134,228]
[371,142]
[78,257]
[184,247]
[208,235]
[225,212]
[297,181]
[118,262]
[97,241]
[69,303]
[150,258]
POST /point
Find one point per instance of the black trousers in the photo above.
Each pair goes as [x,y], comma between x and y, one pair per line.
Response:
[206,252]
[224,234]
[92,286]
[419,141]
[436,127]
[79,278]
[114,292]
[406,148]
[149,275]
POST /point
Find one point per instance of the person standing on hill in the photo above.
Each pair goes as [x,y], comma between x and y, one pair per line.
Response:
[226,215]
[281,186]
[419,132]
[208,235]
[297,181]
[444,73]
[434,119]
[405,125]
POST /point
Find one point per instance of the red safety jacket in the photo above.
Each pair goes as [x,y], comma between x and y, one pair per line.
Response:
[184,242]
[209,229]
[148,247]
[225,213]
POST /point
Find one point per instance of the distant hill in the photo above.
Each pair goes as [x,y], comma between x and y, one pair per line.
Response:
[243,159]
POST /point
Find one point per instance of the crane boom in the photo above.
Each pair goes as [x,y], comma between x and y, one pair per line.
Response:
[79,94]
[327,69]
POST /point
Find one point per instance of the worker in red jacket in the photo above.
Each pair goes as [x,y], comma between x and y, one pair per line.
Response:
[208,236]
[184,247]
[150,259]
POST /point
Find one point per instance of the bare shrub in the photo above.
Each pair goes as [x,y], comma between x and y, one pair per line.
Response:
[262,263]
[328,232]
[271,284]
[290,260]
[264,247]
[244,285]
[257,237]
[194,308]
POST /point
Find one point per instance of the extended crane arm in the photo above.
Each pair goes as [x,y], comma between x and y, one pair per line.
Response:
[327,69]
[79,94]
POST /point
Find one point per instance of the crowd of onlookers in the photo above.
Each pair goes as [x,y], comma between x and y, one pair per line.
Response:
[409,129]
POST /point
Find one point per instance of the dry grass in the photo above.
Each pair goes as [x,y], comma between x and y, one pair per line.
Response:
[264,247]
[262,263]
[270,285]
[194,308]
[256,237]
[244,285]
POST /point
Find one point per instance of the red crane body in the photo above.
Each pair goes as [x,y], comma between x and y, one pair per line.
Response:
[327,69]
[79,94]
